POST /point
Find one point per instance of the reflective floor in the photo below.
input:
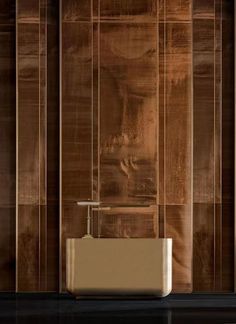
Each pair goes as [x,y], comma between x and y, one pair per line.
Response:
[54,309]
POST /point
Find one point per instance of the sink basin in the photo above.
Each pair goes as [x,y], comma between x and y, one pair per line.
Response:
[119,267]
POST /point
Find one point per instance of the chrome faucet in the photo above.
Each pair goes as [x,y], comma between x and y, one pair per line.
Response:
[89,205]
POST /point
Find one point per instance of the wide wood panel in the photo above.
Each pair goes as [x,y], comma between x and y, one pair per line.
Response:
[7,145]
[109,124]
[128,83]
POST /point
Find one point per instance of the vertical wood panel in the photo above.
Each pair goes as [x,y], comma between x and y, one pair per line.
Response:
[37,224]
[204,146]
[28,80]
[228,163]
[175,110]
[7,145]
[128,82]
[128,113]
[213,133]
[52,145]
[76,117]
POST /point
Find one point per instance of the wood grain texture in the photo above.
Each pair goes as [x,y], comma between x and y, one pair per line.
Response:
[28,111]
[204,184]
[76,116]
[175,129]
[73,10]
[134,222]
[52,145]
[128,68]
[128,10]
[175,10]
[213,128]
[178,227]
[228,163]
[203,247]
[37,201]
[128,113]
[7,145]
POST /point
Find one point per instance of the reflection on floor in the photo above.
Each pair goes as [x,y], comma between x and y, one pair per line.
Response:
[175,309]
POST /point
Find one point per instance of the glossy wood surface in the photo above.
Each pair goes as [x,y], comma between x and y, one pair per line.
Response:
[147,119]
[117,110]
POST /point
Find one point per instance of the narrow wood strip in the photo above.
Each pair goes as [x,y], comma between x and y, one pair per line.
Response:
[7,146]
[76,136]
[205,148]
[228,164]
[52,145]
[28,158]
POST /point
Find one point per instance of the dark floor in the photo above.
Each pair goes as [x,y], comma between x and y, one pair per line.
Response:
[174,309]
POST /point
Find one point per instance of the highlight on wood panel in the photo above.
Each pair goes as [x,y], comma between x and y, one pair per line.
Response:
[128,113]
[7,145]
[108,113]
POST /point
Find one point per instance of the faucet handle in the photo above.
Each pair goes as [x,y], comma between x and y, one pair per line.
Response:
[88,203]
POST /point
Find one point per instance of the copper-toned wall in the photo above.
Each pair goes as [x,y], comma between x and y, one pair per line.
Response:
[147,118]
[146,122]
[126,120]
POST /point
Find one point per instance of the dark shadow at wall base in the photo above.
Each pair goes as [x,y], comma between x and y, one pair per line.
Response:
[174,309]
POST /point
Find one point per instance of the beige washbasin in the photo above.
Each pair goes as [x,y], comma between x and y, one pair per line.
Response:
[119,267]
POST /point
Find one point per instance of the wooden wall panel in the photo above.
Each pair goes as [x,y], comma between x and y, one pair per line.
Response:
[28,172]
[133,76]
[109,117]
[213,135]
[37,259]
[76,117]
[7,145]
[143,122]
[228,139]
[175,131]
[52,145]
[128,83]
[204,150]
